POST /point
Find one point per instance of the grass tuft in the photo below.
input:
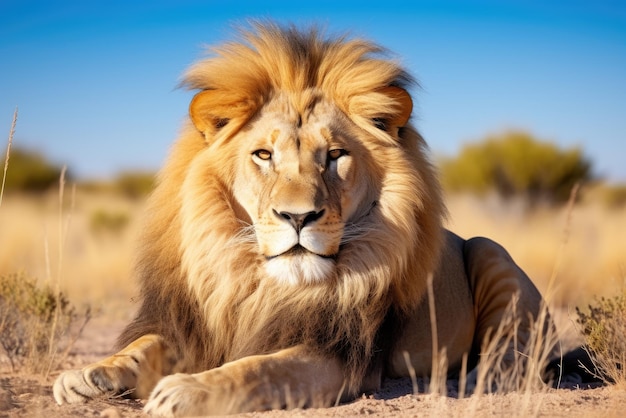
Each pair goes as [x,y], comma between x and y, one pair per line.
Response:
[27,313]
[604,329]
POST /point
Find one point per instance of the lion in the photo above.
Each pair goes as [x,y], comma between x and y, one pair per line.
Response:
[291,238]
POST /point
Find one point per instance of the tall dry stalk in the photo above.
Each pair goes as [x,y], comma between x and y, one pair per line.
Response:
[6,160]
[411,369]
[64,225]
[439,367]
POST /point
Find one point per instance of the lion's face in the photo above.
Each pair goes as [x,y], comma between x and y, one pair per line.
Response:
[305,167]
[301,176]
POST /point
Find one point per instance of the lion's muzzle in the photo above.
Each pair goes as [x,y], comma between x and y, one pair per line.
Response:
[300,220]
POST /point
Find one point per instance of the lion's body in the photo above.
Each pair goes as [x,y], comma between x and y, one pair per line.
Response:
[290,240]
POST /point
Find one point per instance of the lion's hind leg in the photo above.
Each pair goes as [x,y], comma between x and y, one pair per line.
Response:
[134,371]
[514,333]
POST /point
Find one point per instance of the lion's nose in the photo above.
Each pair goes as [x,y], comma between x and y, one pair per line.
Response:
[300,220]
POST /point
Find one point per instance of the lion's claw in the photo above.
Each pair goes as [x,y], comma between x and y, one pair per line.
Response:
[180,395]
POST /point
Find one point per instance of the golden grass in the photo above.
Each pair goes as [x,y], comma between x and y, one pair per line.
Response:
[592,259]
[93,265]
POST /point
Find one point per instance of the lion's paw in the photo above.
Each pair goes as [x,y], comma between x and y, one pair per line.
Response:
[182,395]
[78,386]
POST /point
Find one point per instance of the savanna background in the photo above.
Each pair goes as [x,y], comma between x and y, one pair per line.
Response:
[522,105]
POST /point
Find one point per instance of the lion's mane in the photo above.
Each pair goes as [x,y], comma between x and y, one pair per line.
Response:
[203,286]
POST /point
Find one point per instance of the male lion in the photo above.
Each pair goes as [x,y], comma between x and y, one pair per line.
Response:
[289,243]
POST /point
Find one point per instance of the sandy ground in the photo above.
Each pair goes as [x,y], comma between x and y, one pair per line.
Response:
[31,396]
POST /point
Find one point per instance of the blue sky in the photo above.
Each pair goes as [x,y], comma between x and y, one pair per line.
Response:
[96,81]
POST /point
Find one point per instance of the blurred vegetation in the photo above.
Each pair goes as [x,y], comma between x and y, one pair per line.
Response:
[614,195]
[107,222]
[33,320]
[604,329]
[515,164]
[134,184]
[131,184]
[30,171]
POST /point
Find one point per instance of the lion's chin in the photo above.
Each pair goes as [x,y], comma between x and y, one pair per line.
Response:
[301,267]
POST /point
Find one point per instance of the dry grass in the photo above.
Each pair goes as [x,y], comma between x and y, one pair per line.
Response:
[604,328]
[36,319]
[503,368]
[592,260]
[90,262]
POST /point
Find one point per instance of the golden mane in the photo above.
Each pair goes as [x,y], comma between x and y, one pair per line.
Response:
[203,287]
[272,59]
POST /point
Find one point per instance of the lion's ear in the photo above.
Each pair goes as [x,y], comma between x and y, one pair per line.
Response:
[211,110]
[405,105]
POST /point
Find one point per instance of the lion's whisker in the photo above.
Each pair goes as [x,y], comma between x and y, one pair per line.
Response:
[354,232]
[245,235]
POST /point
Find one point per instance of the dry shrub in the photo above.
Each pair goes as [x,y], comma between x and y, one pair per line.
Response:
[604,328]
[34,322]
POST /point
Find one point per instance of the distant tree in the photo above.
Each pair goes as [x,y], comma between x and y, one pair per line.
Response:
[515,164]
[30,171]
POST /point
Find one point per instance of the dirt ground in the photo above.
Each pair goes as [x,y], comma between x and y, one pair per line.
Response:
[31,396]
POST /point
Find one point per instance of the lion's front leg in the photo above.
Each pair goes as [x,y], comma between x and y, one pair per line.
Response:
[290,378]
[136,369]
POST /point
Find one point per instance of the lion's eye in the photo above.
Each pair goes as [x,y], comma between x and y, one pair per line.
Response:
[380,123]
[262,154]
[336,153]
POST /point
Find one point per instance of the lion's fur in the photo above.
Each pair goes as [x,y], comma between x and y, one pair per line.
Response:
[203,287]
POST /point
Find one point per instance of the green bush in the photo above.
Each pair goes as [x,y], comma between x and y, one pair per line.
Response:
[604,329]
[30,171]
[514,164]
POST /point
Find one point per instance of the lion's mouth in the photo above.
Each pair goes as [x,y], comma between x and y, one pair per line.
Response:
[299,250]
[298,265]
